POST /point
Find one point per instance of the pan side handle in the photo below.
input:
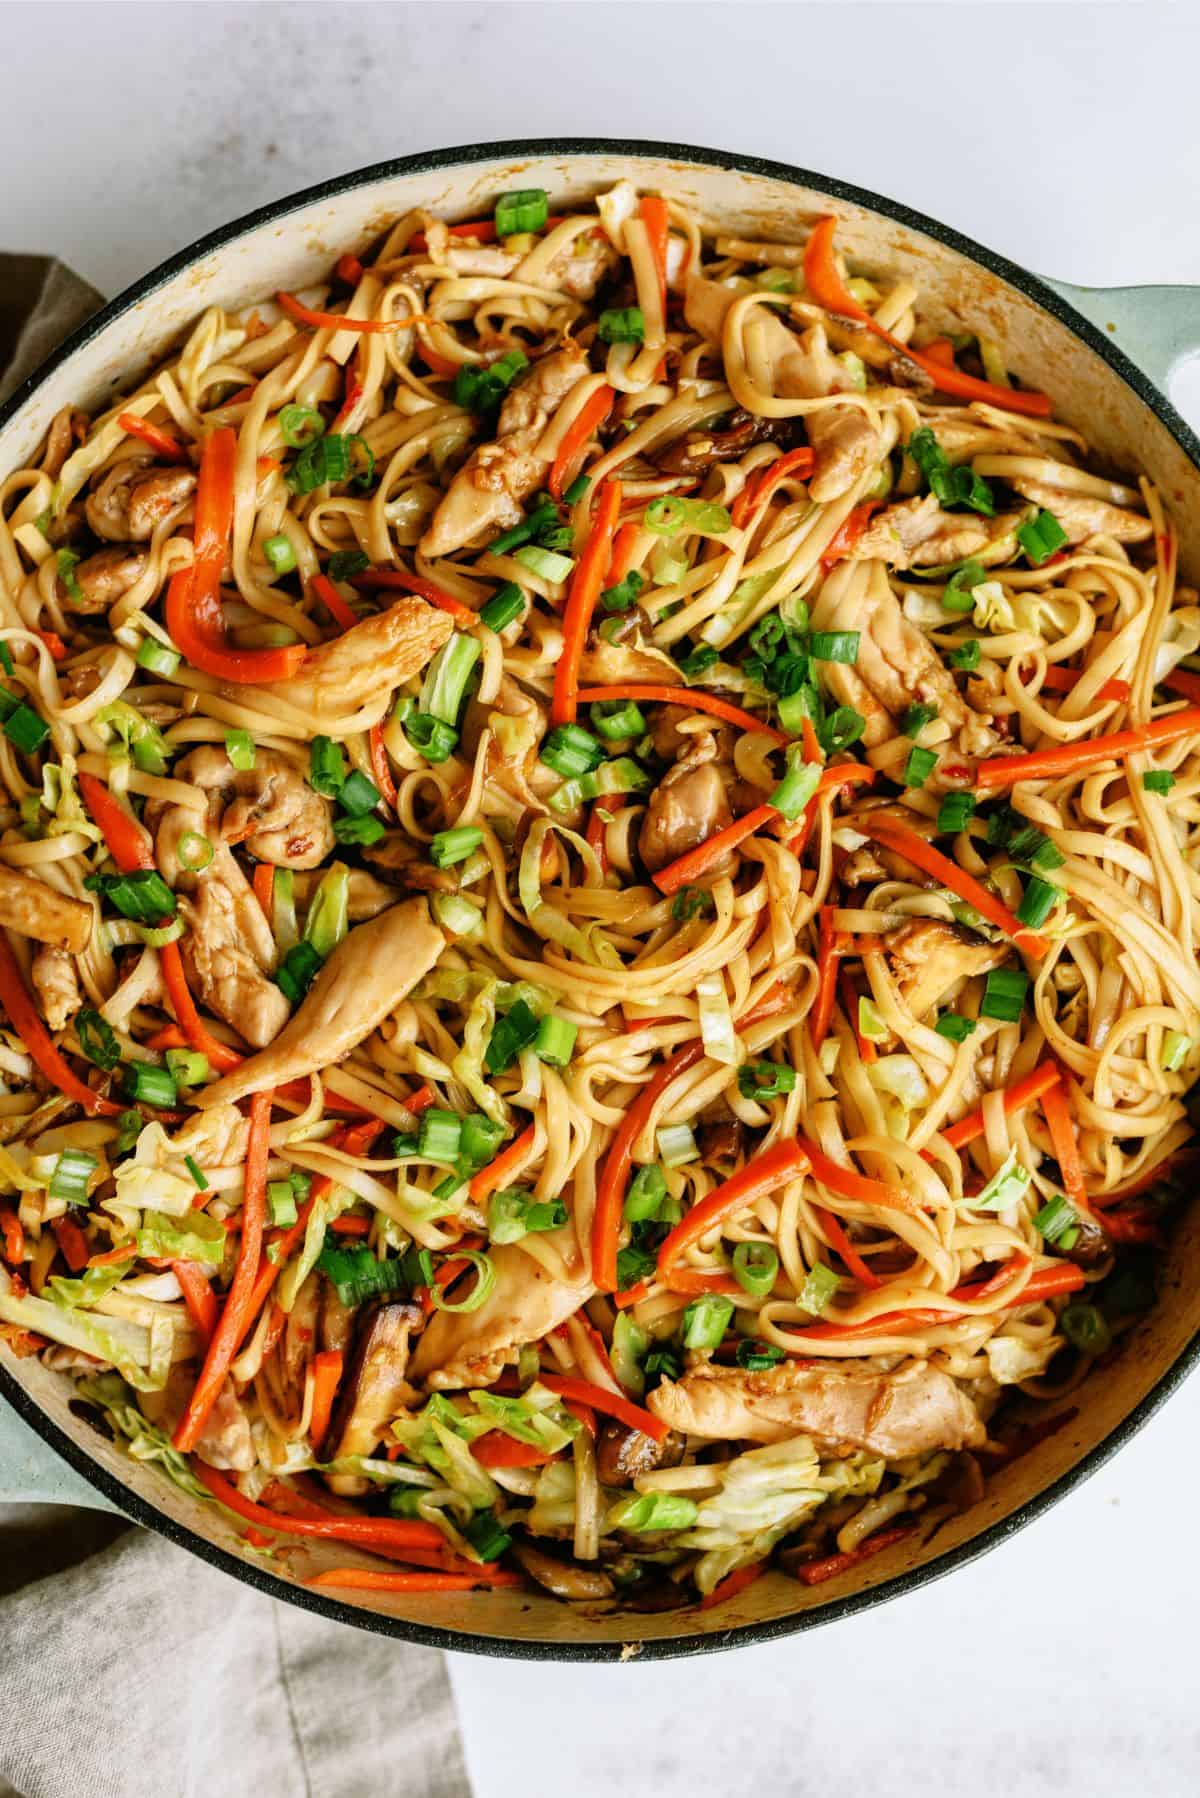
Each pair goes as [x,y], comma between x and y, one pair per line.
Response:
[1157,327]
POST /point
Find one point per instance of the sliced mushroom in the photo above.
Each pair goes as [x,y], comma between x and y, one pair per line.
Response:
[566,1579]
[373,1392]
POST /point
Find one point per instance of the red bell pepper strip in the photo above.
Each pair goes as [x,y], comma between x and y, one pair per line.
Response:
[826,287]
[815,1573]
[160,441]
[55,644]
[1065,680]
[413,583]
[12,1236]
[1067,758]
[914,848]
[381,768]
[761,1174]
[609,1404]
[236,1313]
[128,843]
[26,1020]
[843,1246]
[348,269]
[584,591]
[591,416]
[754,494]
[498,1450]
[842,543]
[341,613]
[1044,1283]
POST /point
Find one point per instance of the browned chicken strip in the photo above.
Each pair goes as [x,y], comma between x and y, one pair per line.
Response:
[931,959]
[485,495]
[229,972]
[365,978]
[270,807]
[101,580]
[56,984]
[133,497]
[32,908]
[470,1347]
[1082,517]
[910,1411]
[689,805]
[365,662]
[917,533]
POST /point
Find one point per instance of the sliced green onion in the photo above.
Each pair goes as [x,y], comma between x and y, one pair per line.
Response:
[919,766]
[842,727]
[481,1138]
[506,604]
[25,730]
[1158,780]
[188,1067]
[669,513]
[957,595]
[157,657]
[570,750]
[239,747]
[966,656]
[445,685]
[279,553]
[326,767]
[72,1171]
[440,1135]
[193,851]
[515,1031]
[621,597]
[1175,1050]
[1056,1218]
[194,1169]
[1025,843]
[324,460]
[6,661]
[776,280]
[818,1289]
[281,1202]
[676,1144]
[1038,901]
[555,1041]
[706,1320]
[623,324]
[1004,994]
[433,737]
[1085,1328]
[300,425]
[344,564]
[579,489]
[1004,1188]
[451,846]
[480,387]
[796,788]
[755,1267]
[66,561]
[647,1190]
[147,1084]
[618,719]
[485,1279]
[1041,537]
[525,209]
[157,936]
[951,485]
[834,646]
[363,831]
[512,1214]
[142,895]
[543,517]
[692,902]
[97,1039]
[757,1357]
[486,1536]
[358,795]
[955,813]
[954,1028]
[696,664]
[765,1079]
[623,775]
[297,971]
[547,563]
[130,1125]
[916,718]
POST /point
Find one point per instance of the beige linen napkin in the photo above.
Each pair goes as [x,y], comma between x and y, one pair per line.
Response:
[129,1668]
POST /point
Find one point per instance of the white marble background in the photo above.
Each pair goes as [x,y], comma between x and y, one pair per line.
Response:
[1064,136]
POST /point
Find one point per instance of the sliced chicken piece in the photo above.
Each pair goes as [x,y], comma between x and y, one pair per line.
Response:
[365,978]
[134,496]
[962,437]
[270,807]
[226,960]
[845,443]
[101,580]
[373,1392]
[916,533]
[56,983]
[580,266]
[485,495]
[931,959]
[910,1411]
[466,257]
[689,805]
[68,428]
[366,897]
[605,664]
[896,666]
[873,863]
[32,908]
[467,1348]
[398,855]
[1081,516]
[366,662]
[226,1440]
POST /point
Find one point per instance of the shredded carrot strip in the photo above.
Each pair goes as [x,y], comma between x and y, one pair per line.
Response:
[496,1172]
[815,1573]
[1066,758]
[609,1404]
[698,861]
[365,1532]
[198,1296]
[72,1243]
[754,494]
[1065,680]
[842,543]
[160,441]
[236,1314]
[1056,1108]
[413,583]
[363,1579]
[263,883]
[692,697]
[828,951]
[624,550]
[498,1450]
[842,1244]
[656,217]
[1022,1092]
[586,583]
[349,269]
[336,321]
[570,451]
[760,1175]
[13,1236]
[732,1584]
[327,1376]
[55,644]
[1044,1283]
[914,848]
[381,768]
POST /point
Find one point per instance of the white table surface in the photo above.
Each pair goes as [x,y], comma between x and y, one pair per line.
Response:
[1064,136]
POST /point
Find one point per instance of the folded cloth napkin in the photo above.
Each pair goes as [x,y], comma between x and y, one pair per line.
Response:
[129,1668]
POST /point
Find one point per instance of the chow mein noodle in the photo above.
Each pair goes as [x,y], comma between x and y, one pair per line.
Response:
[600,908]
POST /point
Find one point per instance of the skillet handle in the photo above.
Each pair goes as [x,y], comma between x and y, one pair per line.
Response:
[31,1473]
[1157,327]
